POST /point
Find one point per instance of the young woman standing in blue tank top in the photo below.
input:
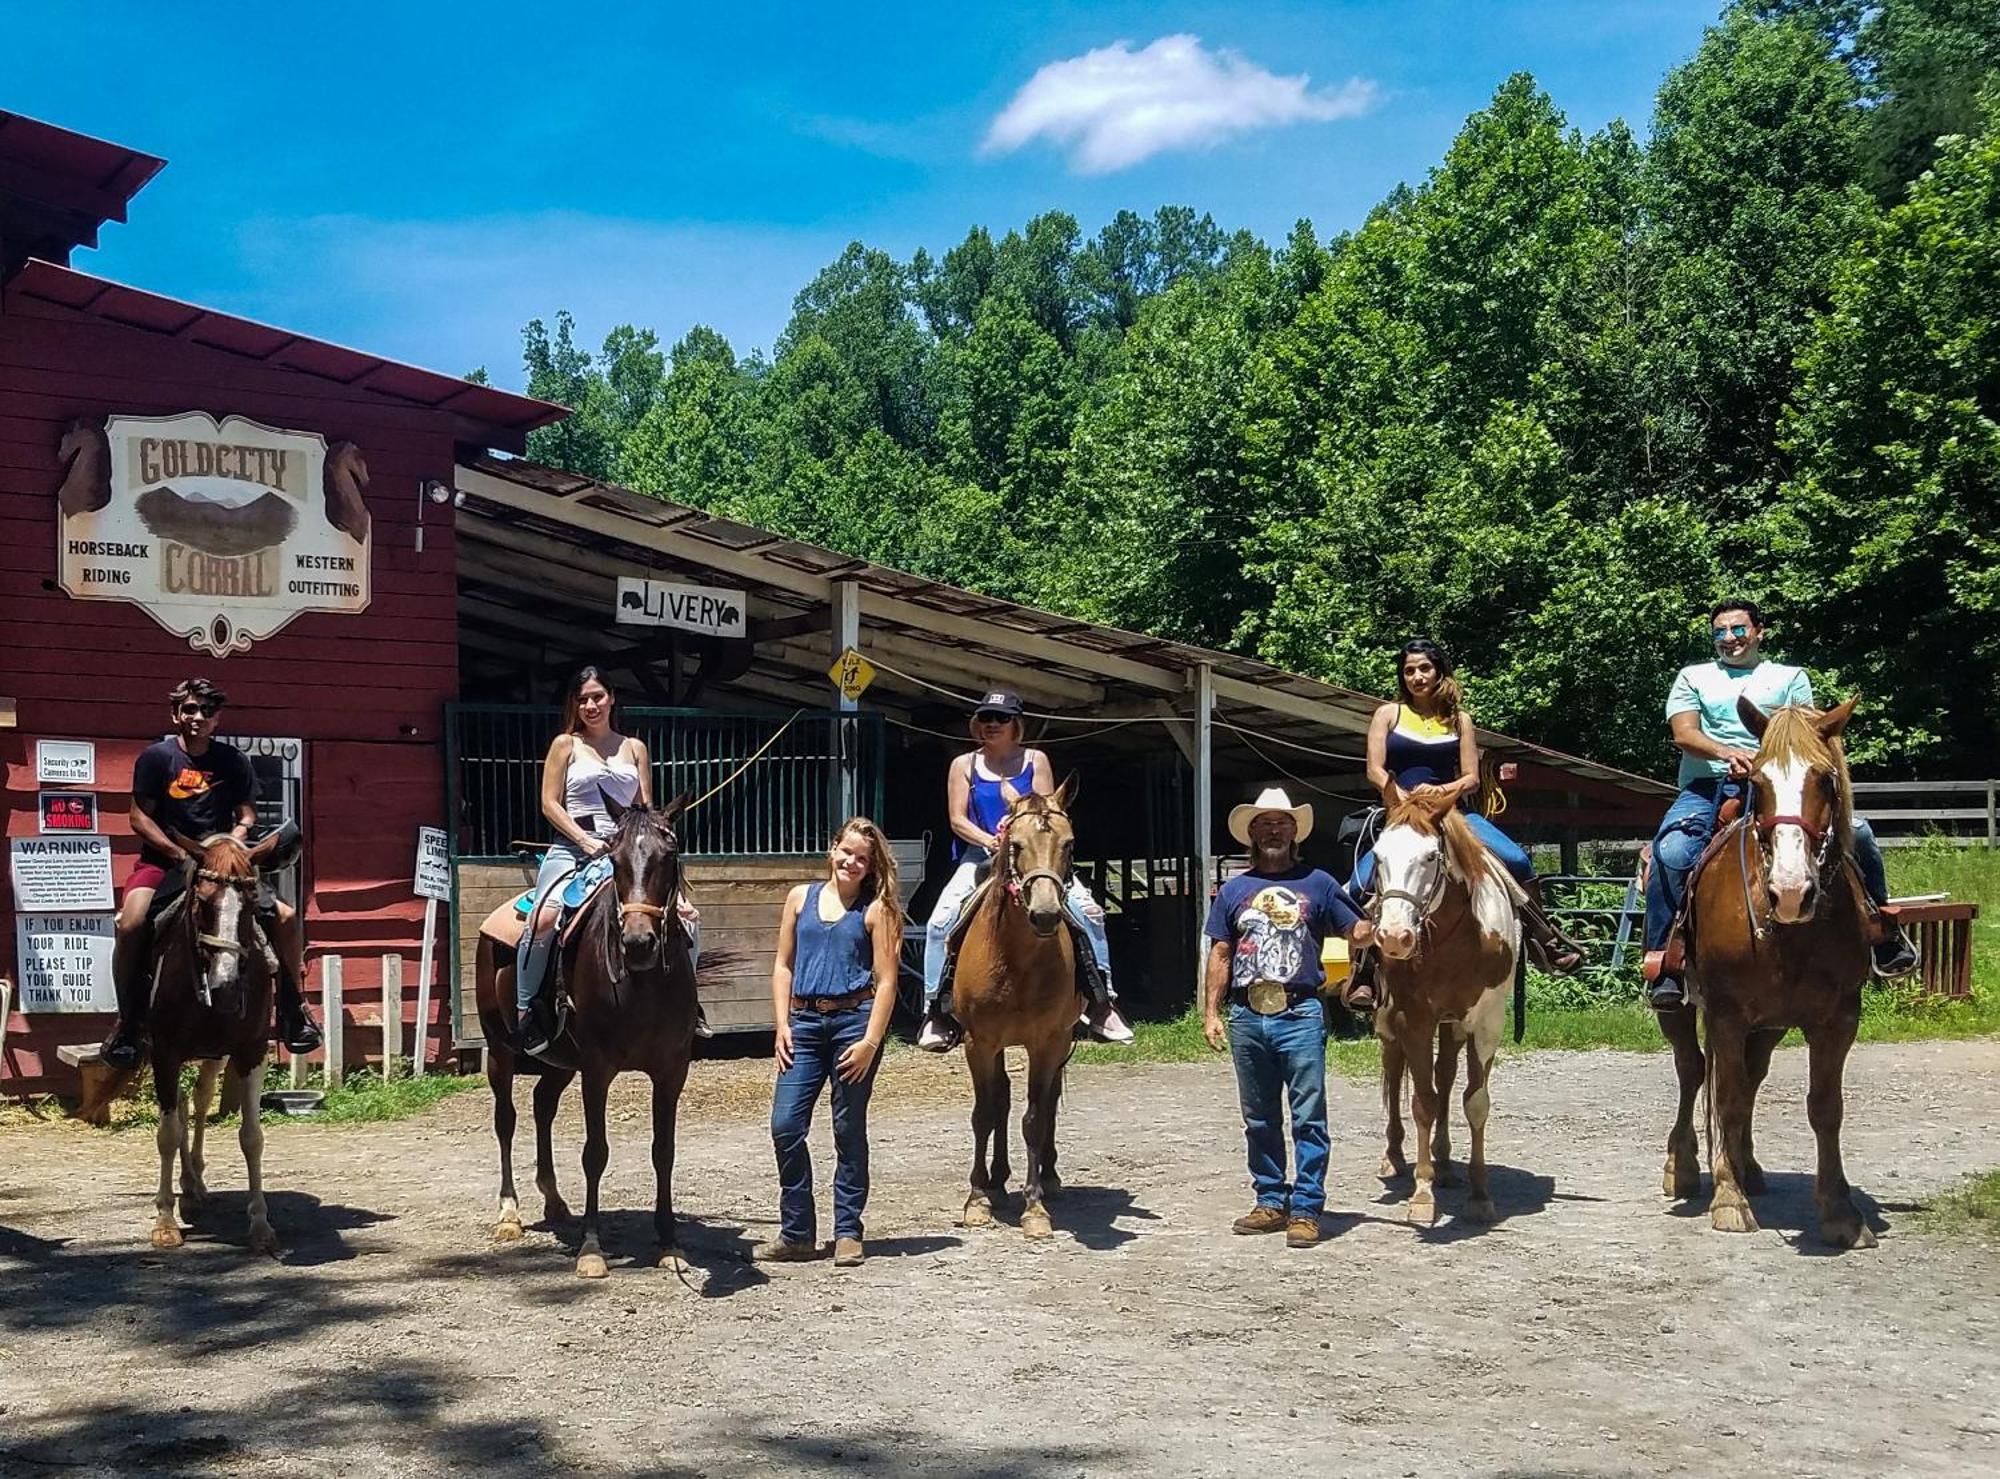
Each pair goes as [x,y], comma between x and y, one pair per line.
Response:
[1425,744]
[833,986]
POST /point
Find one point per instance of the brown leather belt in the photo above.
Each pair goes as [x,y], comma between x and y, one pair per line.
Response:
[825,1004]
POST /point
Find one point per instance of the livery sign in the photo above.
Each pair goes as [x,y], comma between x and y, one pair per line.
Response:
[221,531]
[711,610]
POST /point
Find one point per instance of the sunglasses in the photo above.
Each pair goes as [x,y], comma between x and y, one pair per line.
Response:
[989,717]
[210,710]
[1725,633]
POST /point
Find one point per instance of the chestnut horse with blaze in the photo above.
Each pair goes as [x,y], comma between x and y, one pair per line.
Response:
[1015,986]
[625,966]
[1777,937]
[213,975]
[1448,925]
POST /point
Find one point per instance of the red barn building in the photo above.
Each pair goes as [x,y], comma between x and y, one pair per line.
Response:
[104,616]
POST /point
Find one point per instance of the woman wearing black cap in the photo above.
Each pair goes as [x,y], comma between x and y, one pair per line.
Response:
[977,807]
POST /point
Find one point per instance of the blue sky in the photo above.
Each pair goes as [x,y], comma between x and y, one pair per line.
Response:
[419,180]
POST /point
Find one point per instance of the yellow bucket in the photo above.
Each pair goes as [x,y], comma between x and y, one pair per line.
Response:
[1336,961]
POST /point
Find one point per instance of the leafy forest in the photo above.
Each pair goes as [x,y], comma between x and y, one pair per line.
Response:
[1543,405]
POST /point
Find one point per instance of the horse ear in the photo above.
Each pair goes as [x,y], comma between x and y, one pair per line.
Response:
[675,807]
[615,809]
[1067,792]
[1834,720]
[1439,804]
[1754,719]
[263,847]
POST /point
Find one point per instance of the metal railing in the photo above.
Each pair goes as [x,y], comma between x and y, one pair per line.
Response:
[787,802]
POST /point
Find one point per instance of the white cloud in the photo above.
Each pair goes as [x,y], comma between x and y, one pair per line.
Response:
[1114,107]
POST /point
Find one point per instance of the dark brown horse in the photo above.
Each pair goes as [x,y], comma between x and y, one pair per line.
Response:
[1777,938]
[1016,987]
[213,972]
[1448,926]
[624,966]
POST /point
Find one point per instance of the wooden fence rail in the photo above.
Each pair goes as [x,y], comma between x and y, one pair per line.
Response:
[1901,822]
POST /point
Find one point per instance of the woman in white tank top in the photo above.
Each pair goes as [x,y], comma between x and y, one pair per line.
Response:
[587,764]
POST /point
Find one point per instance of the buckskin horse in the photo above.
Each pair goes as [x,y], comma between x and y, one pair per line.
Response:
[1447,924]
[1015,986]
[1777,937]
[213,973]
[624,965]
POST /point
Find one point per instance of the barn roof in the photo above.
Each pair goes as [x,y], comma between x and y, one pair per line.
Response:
[57,188]
[539,550]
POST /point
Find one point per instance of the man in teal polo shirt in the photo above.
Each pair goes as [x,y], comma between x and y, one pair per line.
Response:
[1717,753]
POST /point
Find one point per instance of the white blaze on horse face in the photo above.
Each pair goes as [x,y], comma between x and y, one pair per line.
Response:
[1791,858]
[1406,862]
[224,965]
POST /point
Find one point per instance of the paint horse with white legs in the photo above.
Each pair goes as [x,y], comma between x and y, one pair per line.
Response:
[213,972]
[1777,930]
[1447,924]
[626,977]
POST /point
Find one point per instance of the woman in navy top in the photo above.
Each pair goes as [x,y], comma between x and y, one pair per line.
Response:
[833,986]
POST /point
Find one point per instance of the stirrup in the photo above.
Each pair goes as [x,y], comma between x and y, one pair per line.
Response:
[940,1032]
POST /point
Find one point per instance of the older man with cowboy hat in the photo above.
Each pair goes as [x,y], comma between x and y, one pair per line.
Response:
[1266,929]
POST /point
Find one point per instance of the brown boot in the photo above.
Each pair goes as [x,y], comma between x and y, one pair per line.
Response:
[1358,993]
[1303,1232]
[1553,952]
[848,1253]
[780,1251]
[1260,1219]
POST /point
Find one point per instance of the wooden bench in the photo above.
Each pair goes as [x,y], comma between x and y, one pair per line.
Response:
[98,1078]
[1944,943]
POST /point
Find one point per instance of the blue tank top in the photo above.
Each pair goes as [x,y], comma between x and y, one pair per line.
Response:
[830,959]
[1417,759]
[986,806]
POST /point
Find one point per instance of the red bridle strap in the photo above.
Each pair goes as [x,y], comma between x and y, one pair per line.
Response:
[1766,825]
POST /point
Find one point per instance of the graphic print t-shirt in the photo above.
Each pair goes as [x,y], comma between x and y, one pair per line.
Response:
[192,795]
[1275,923]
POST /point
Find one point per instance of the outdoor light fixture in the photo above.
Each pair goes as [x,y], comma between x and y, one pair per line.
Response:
[431,491]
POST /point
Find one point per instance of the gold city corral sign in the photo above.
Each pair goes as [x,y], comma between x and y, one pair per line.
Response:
[221,531]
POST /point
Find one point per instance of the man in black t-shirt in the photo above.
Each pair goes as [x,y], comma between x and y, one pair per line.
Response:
[192,785]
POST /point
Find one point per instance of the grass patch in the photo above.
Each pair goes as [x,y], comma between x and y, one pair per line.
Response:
[365,1099]
[1973,1206]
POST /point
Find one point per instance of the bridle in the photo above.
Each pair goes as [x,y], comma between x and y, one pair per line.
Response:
[1017,885]
[1424,906]
[1819,839]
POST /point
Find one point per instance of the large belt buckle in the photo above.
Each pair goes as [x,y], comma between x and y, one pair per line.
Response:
[1268,998]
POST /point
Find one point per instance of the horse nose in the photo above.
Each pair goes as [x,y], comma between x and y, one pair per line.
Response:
[1790,903]
[641,944]
[1397,940]
[1044,921]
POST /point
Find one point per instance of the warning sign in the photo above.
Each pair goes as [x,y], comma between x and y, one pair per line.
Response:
[61,873]
[851,674]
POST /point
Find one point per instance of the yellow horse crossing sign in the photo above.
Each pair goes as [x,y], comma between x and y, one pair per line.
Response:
[851,674]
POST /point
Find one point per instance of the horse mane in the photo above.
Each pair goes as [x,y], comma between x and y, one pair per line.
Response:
[1465,856]
[1793,737]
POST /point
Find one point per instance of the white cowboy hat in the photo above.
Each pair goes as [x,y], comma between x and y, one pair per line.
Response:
[1271,798]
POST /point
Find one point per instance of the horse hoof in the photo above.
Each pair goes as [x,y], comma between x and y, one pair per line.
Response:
[1035,1224]
[671,1260]
[1846,1232]
[1393,1168]
[1479,1209]
[1424,1212]
[167,1237]
[978,1213]
[592,1266]
[508,1230]
[1730,1218]
[263,1239]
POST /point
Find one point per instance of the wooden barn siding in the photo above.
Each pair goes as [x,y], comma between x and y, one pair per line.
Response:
[739,899]
[349,685]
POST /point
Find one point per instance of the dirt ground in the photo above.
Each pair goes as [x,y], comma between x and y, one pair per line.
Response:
[1593,1330]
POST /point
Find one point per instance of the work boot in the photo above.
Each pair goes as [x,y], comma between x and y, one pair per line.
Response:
[848,1253]
[296,1028]
[1260,1219]
[1894,956]
[1359,993]
[1553,952]
[1303,1231]
[125,1048]
[777,1250]
[1666,993]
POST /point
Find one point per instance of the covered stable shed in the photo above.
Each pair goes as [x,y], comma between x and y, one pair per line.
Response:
[1161,734]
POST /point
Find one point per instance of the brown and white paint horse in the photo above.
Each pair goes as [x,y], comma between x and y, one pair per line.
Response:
[1777,938]
[1448,925]
[213,972]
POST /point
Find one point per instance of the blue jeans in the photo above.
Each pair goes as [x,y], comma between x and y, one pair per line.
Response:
[1078,904]
[1506,851]
[1685,831]
[1274,1056]
[818,1040]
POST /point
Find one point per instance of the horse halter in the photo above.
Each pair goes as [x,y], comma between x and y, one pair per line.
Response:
[1017,885]
[216,943]
[1820,839]
[1423,905]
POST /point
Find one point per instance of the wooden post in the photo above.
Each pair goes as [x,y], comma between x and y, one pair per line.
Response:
[1204,811]
[846,634]
[6,1006]
[336,1020]
[425,959]
[392,1014]
[298,1070]
[1993,813]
